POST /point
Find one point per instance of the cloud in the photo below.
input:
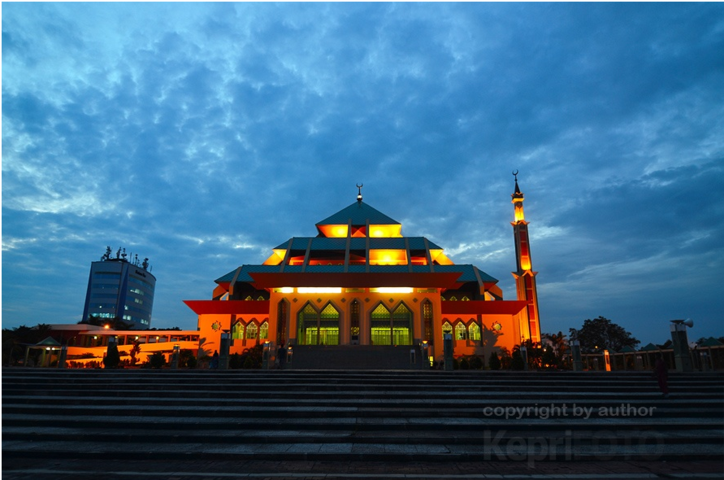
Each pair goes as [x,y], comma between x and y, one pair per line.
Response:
[205,134]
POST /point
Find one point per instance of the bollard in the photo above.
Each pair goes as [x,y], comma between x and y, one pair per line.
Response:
[681,347]
[524,354]
[639,362]
[265,354]
[175,357]
[448,351]
[224,353]
[62,357]
[425,363]
[576,350]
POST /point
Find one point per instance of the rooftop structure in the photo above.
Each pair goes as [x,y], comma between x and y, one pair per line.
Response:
[359,281]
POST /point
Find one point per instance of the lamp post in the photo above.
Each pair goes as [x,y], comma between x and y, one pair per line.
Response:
[425,354]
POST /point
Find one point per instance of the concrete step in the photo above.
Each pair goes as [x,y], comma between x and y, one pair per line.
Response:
[534,449]
[389,416]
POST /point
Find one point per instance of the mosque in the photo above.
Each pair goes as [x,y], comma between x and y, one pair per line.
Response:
[360,283]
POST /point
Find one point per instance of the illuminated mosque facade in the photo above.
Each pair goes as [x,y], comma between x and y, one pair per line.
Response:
[359,282]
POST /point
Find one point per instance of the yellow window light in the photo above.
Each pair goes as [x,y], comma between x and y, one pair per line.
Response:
[319,290]
[436,255]
[388,257]
[334,231]
[276,258]
[385,231]
[391,290]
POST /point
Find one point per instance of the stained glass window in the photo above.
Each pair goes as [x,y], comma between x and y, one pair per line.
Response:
[251,331]
[461,332]
[474,331]
[237,331]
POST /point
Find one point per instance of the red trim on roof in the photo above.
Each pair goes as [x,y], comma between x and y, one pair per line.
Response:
[474,307]
[350,279]
[228,307]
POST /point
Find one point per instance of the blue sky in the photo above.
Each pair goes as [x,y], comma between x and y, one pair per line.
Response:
[202,135]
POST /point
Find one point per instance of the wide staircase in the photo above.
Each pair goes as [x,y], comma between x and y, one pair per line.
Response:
[356,357]
[359,416]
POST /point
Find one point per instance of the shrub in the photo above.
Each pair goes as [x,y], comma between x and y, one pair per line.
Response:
[236,361]
[517,361]
[477,363]
[494,361]
[464,364]
[252,357]
[157,360]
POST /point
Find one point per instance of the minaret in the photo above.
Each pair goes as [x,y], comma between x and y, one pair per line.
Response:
[524,275]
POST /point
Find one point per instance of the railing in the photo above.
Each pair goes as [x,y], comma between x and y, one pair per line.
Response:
[702,358]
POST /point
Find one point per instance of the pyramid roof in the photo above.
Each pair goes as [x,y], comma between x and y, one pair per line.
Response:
[359,213]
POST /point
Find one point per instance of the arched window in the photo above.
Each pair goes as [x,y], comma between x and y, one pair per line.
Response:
[237,331]
[251,331]
[391,328]
[354,321]
[380,326]
[248,298]
[465,299]
[402,326]
[427,321]
[282,313]
[260,298]
[318,328]
[264,331]
[453,298]
[329,326]
[446,328]
[307,325]
[461,332]
[474,331]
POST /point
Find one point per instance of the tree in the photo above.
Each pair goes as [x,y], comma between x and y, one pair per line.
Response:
[135,351]
[602,334]
[517,362]
[559,344]
[548,359]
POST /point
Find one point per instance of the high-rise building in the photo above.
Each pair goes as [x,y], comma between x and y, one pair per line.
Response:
[360,282]
[119,288]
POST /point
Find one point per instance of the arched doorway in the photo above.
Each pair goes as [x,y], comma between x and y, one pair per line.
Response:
[391,327]
[318,328]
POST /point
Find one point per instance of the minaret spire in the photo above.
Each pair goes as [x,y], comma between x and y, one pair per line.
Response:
[359,192]
[524,275]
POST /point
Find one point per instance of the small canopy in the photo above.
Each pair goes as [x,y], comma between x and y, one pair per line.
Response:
[650,347]
[710,342]
[48,342]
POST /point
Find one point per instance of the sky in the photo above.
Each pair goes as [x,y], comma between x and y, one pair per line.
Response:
[202,135]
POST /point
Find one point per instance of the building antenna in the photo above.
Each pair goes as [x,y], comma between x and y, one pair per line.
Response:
[359,191]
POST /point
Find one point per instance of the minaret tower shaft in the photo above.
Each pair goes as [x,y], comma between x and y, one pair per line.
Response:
[524,275]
